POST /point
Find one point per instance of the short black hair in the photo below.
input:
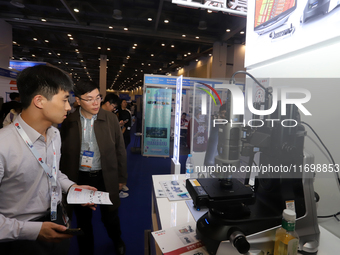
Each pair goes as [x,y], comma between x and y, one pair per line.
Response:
[14,95]
[112,99]
[84,87]
[223,107]
[41,80]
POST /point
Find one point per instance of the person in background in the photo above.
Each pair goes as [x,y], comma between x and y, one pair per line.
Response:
[110,103]
[93,152]
[184,129]
[184,121]
[13,113]
[125,116]
[30,147]
[6,107]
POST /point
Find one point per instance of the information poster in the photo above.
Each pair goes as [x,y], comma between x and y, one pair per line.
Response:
[157,122]
[8,83]
[279,27]
[183,240]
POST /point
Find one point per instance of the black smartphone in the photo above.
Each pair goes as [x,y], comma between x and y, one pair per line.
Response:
[74,231]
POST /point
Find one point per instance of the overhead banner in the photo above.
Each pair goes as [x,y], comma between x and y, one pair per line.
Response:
[238,7]
[157,122]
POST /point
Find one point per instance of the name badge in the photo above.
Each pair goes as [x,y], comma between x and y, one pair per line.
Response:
[87,158]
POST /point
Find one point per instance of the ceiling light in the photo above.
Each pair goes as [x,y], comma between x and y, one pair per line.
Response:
[185,55]
[196,60]
[135,45]
[149,64]
[151,55]
[69,35]
[210,55]
[228,30]
[189,53]
[66,63]
[76,10]
[111,27]
[197,37]
[163,44]
[99,47]
[149,19]
[183,35]
[58,54]
[172,46]
[35,39]
[108,49]
[33,55]
[242,32]
[46,41]
[43,20]
[142,64]
[71,38]
[49,53]
[117,14]
[126,29]
[209,11]
[166,21]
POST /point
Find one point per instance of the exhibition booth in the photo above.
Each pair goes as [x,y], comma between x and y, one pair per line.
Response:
[258,146]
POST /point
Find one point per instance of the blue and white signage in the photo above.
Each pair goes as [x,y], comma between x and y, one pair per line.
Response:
[179,82]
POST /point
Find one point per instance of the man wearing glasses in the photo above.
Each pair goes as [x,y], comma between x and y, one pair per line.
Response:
[93,152]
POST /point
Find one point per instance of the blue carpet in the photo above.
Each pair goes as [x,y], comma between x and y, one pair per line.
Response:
[135,210]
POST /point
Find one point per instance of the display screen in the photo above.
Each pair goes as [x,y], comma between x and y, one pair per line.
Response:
[267,11]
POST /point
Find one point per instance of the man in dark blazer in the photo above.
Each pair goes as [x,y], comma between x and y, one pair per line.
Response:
[93,152]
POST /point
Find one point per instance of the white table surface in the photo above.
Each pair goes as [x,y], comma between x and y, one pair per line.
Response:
[177,213]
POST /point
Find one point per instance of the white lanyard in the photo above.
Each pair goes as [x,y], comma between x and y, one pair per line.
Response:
[51,173]
[90,141]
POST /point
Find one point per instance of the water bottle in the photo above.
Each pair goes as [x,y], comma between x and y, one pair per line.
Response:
[189,166]
[286,238]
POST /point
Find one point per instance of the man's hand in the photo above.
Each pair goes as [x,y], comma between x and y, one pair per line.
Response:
[52,232]
[121,123]
[92,206]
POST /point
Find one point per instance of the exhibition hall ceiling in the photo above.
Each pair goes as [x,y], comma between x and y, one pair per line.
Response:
[137,36]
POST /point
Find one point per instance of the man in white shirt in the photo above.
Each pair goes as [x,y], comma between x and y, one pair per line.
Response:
[30,181]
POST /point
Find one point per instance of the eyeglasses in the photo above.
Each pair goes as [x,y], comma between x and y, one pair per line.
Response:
[91,101]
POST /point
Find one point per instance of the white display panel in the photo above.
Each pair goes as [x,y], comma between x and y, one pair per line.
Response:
[238,7]
[272,32]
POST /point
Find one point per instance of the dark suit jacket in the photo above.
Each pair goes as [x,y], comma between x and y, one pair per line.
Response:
[111,146]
